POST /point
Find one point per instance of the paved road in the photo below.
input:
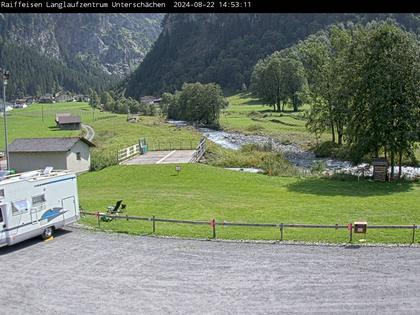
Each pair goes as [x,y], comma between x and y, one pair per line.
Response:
[83,272]
[162,157]
[90,133]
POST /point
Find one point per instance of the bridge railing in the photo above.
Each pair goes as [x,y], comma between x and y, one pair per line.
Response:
[199,151]
[128,152]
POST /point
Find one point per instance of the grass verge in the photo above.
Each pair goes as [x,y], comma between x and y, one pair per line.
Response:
[202,192]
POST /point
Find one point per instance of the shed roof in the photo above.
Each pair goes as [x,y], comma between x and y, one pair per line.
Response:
[68,119]
[46,144]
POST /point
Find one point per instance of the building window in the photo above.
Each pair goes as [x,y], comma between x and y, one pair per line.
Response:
[1,193]
[78,156]
[38,200]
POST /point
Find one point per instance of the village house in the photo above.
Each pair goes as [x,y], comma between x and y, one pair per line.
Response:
[47,98]
[72,153]
[20,103]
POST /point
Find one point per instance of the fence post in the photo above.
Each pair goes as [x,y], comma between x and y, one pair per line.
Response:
[99,221]
[414,234]
[281,231]
[350,227]
[213,225]
[154,224]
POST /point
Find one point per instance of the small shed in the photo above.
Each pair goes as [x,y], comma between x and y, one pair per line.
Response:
[68,121]
[71,153]
[380,169]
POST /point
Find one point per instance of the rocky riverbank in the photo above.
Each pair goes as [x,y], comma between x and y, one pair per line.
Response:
[294,153]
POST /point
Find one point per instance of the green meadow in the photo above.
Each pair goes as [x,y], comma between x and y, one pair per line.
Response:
[202,192]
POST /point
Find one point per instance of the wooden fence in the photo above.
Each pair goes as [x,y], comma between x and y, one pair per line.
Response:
[129,152]
[199,151]
[280,226]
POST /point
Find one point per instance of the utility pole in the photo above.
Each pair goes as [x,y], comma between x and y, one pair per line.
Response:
[5,76]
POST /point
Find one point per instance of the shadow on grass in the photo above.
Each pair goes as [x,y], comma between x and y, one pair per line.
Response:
[328,187]
[252,102]
[54,128]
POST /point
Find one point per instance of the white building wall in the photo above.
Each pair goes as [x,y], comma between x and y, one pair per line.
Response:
[82,165]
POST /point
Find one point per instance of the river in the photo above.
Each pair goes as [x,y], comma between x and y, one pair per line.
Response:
[293,152]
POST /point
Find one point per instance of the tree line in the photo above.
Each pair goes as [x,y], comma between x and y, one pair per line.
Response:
[120,104]
[362,82]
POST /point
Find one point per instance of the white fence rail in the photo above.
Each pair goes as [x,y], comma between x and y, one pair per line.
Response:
[129,152]
[199,151]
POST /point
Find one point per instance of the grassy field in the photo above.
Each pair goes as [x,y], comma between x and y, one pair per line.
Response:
[113,132]
[248,115]
[203,192]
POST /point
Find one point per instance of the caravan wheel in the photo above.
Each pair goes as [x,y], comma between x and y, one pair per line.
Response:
[48,232]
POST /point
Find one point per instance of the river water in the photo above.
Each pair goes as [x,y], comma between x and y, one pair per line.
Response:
[295,154]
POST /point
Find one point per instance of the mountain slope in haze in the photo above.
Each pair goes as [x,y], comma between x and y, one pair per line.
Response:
[223,48]
[75,52]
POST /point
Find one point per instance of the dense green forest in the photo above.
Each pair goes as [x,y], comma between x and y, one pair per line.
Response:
[32,74]
[223,48]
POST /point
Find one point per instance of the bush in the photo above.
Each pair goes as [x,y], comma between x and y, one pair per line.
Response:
[251,155]
[318,167]
[326,149]
[101,159]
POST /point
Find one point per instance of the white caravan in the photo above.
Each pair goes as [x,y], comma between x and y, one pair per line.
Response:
[36,203]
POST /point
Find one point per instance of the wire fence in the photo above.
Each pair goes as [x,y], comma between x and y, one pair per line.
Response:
[49,113]
[169,145]
[281,227]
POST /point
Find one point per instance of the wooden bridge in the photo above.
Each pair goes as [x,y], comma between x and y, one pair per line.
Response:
[175,155]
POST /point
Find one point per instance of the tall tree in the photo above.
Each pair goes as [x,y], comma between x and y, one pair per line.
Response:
[388,94]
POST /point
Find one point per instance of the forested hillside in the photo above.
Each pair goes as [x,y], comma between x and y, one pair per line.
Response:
[33,74]
[223,48]
[73,51]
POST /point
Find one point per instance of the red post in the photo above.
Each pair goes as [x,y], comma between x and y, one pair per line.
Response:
[350,228]
[213,225]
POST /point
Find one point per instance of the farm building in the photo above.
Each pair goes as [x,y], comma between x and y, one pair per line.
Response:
[67,121]
[72,153]
[47,98]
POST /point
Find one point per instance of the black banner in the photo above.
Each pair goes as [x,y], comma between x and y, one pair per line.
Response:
[202,6]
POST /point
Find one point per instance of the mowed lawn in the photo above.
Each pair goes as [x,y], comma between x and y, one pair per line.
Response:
[203,192]
[112,130]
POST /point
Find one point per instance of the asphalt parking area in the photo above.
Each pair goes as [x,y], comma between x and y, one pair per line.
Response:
[84,272]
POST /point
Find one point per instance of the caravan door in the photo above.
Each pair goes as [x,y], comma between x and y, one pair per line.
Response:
[69,206]
[3,224]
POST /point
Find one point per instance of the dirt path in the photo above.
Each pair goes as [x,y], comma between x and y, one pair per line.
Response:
[90,133]
[82,272]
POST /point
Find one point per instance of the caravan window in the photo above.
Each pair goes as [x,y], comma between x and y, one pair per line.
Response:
[38,200]
[19,207]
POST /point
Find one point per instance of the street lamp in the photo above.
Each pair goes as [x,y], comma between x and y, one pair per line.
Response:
[5,76]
